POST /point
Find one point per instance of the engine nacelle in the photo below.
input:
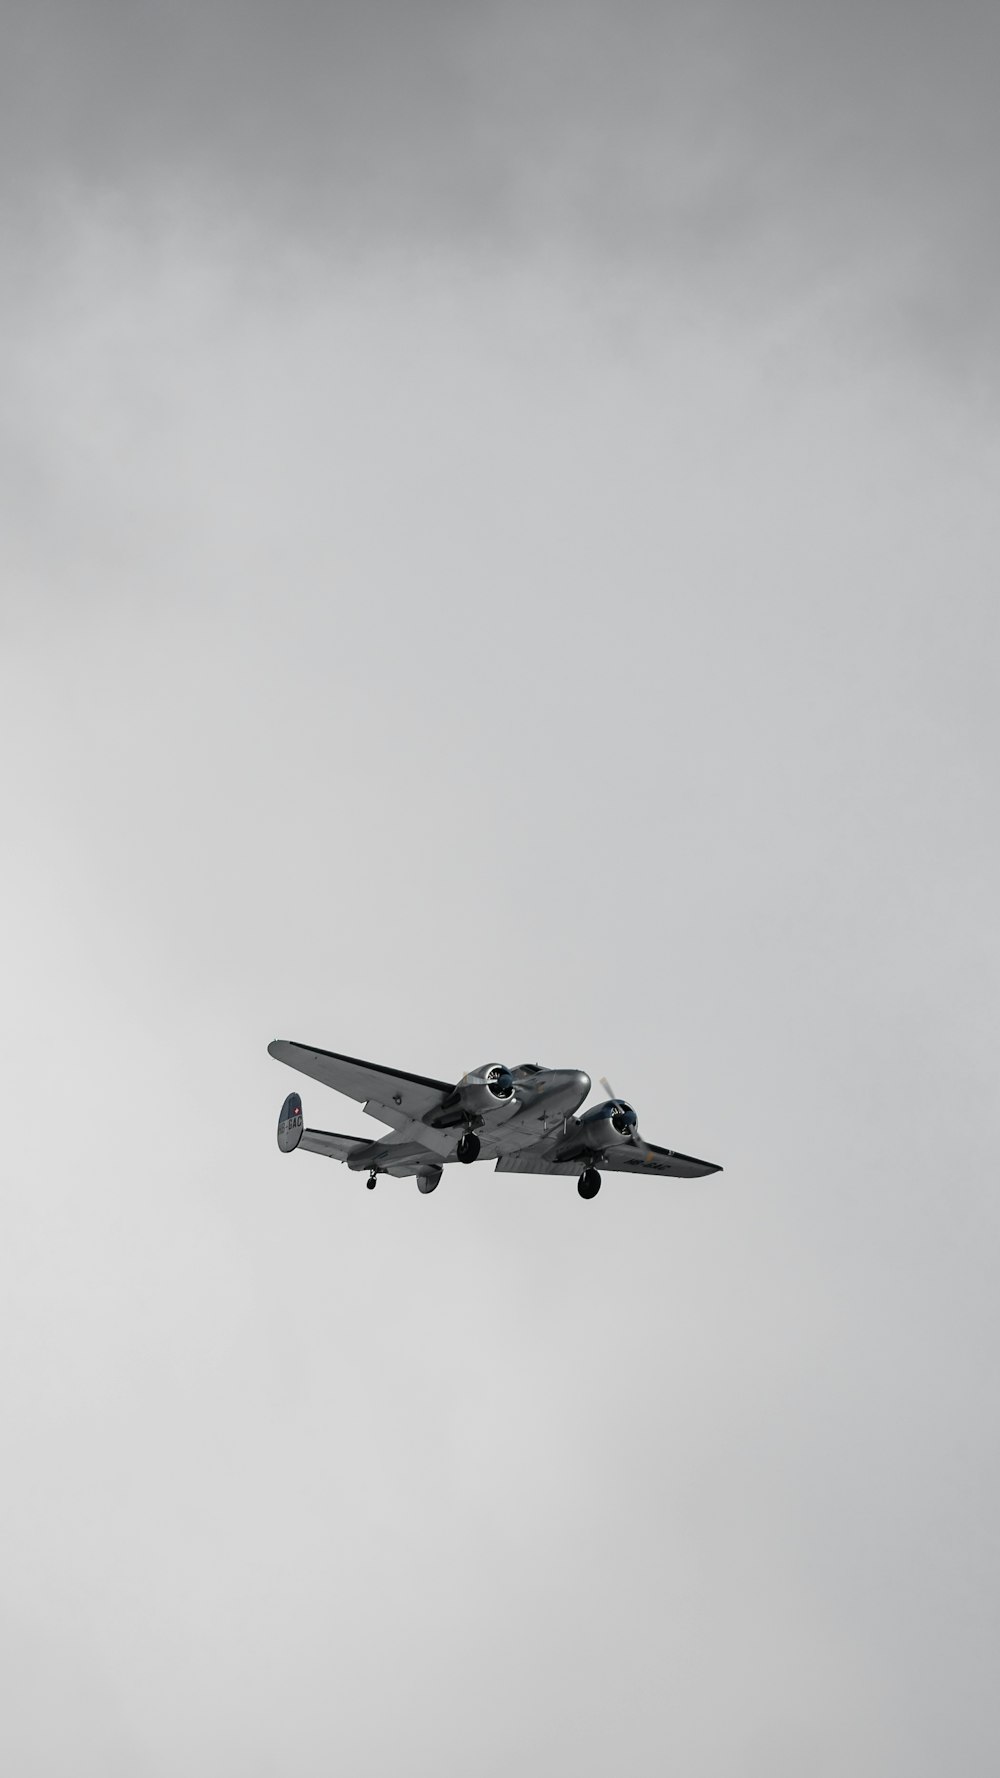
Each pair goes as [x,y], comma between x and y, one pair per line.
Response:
[610,1125]
[479,1094]
[485,1088]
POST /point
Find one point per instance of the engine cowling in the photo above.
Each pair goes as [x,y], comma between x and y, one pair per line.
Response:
[480,1093]
[610,1125]
[483,1089]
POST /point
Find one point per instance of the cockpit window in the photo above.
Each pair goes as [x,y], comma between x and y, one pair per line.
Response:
[529,1068]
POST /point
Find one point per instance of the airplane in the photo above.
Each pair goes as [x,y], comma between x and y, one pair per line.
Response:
[523,1118]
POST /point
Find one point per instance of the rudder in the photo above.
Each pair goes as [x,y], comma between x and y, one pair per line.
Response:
[290,1124]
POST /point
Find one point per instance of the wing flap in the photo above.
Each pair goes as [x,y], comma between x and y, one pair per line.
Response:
[525,1160]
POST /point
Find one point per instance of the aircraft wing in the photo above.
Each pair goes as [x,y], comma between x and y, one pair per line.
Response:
[641,1157]
[646,1157]
[387,1093]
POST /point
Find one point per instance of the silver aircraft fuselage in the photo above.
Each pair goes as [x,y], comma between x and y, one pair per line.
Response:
[541,1101]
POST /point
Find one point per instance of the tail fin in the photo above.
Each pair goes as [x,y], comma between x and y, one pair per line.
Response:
[290,1124]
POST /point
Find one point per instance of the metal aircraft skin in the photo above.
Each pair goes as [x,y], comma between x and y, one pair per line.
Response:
[526,1119]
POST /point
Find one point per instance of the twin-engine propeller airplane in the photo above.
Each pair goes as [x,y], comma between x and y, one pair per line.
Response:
[523,1118]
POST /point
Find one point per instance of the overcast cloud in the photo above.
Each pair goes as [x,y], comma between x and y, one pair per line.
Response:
[765,152]
[498,560]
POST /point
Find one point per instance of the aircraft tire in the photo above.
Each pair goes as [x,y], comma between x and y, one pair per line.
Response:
[589,1183]
[468,1148]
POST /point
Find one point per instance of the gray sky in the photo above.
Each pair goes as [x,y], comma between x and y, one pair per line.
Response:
[498,560]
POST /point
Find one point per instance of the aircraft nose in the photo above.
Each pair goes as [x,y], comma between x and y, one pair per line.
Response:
[573,1085]
[561,1089]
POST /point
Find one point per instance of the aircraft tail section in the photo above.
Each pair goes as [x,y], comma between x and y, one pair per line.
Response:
[293,1134]
[290,1124]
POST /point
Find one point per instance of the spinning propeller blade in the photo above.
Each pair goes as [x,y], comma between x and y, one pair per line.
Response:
[626,1109]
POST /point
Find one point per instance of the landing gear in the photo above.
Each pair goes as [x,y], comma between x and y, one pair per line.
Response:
[468,1148]
[372,1179]
[589,1183]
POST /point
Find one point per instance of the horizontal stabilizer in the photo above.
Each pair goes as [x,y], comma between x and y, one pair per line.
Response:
[336,1148]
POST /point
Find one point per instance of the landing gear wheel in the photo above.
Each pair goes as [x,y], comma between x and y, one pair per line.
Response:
[468,1148]
[589,1183]
[371,1181]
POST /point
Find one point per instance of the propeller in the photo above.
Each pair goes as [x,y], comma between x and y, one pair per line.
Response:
[626,1113]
